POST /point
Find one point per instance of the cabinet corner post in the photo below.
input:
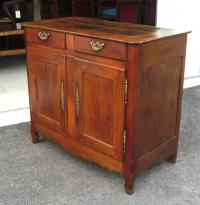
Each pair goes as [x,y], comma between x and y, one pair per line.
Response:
[130,159]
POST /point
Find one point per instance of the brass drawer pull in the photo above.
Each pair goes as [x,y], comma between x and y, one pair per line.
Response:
[97,46]
[62,96]
[77,101]
[43,35]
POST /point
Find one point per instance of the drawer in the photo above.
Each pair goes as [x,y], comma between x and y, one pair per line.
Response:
[45,37]
[100,47]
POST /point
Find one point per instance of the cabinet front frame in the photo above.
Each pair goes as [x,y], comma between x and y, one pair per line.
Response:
[70,130]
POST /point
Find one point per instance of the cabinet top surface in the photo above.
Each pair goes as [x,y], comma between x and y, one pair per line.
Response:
[117,31]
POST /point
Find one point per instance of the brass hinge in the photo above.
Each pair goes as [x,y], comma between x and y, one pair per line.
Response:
[62,96]
[125,137]
[125,91]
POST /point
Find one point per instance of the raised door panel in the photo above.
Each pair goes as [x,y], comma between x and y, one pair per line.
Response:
[96,101]
[47,85]
[159,103]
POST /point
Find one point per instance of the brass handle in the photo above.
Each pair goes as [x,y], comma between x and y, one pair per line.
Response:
[62,96]
[43,35]
[97,46]
[77,102]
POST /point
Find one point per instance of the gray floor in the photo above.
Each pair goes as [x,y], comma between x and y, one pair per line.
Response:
[44,174]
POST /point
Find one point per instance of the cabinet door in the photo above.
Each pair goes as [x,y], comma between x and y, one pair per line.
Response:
[46,72]
[96,105]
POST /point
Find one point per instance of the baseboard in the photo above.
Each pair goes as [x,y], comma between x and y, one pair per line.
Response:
[14,116]
[191,81]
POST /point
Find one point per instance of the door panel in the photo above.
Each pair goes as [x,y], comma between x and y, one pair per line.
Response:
[158,116]
[96,97]
[46,84]
[98,118]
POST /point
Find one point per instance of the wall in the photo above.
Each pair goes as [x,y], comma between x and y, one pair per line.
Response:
[184,14]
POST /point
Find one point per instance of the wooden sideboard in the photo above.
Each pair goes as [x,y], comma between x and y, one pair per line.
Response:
[108,92]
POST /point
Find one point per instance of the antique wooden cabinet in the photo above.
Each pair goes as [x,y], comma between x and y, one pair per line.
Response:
[105,91]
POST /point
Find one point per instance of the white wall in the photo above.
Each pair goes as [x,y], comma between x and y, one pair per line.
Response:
[183,14]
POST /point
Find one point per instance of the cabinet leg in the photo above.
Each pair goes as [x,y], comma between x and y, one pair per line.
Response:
[129,188]
[35,137]
[34,134]
[130,177]
[172,158]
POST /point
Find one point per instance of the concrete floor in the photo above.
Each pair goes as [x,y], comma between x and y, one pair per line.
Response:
[14,100]
[44,174]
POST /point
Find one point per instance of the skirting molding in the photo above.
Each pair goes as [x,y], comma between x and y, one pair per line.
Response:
[191,81]
[14,116]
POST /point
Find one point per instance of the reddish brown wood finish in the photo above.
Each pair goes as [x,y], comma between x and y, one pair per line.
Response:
[55,39]
[130,11]
[110,49]
[108,30]
[46,73]
[96,123]
[99,123]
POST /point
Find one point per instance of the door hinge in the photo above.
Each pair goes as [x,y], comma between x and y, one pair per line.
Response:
[124,137]
[125,91]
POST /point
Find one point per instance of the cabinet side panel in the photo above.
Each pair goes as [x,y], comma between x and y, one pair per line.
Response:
[160,91]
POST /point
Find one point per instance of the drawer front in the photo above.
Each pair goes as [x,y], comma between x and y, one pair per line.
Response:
[45,37]
[100,47]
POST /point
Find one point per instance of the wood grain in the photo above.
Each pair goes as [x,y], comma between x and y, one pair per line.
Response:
[96,117]
[110,30]
[100,124]
[55,39]
[45,75]
[110,49]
